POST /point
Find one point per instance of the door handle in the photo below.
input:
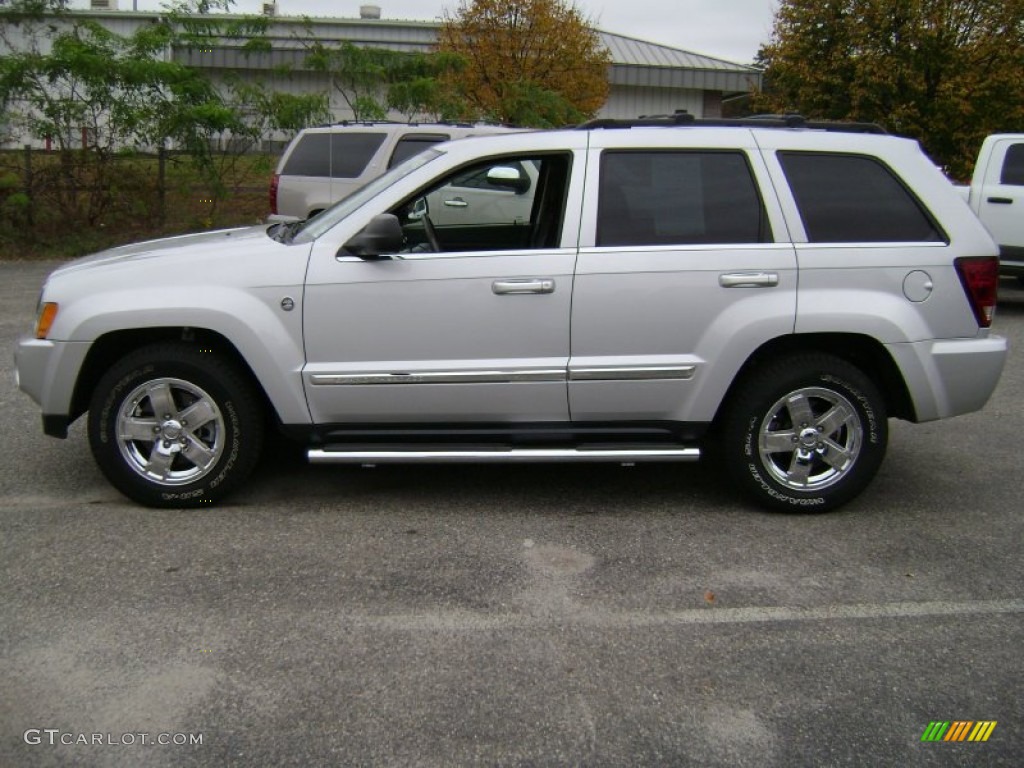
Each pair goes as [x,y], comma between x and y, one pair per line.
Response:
[457,202]
[749,280]
[512,287]
[1001,200]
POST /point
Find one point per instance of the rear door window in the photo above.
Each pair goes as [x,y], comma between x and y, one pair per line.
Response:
[678,198]
[855,199]
[352,152]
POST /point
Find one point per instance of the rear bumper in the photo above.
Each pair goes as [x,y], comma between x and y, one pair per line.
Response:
[1011,261]
[950,377]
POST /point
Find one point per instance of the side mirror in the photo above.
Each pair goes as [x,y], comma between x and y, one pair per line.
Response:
[419,209]
[381,237]
[507,177]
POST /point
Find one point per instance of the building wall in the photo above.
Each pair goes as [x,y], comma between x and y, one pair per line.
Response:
[627,102]
[645,79]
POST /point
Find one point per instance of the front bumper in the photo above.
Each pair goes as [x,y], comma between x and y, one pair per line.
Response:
[950,377]
[47,371]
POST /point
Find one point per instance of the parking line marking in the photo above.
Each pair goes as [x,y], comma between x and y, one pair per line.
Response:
[591,617]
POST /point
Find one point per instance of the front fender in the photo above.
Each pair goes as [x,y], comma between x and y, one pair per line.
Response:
[267,336]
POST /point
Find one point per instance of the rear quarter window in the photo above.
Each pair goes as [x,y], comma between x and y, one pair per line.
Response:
[678,197]
[855,199]
[409,146]
[341,155]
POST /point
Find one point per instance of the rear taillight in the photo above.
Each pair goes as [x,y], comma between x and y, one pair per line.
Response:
[980,278]
[273,193]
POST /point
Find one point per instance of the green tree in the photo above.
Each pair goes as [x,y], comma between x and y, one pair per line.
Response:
[357,73]
[94,94]
[528,62]
[222,135]
[946,72]
[373,80]
[90,92]
[418,85]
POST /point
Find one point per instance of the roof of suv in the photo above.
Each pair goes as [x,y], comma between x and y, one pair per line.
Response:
[347,125]
[684,119]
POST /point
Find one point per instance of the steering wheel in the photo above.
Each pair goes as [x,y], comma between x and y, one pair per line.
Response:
[431,233]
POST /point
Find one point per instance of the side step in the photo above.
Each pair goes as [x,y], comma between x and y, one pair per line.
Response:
[499,455]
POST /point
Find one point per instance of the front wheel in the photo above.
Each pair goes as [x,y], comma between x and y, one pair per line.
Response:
[806,433]
[173,426]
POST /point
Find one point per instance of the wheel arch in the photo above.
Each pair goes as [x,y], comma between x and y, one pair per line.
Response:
[112,346]
[864,352]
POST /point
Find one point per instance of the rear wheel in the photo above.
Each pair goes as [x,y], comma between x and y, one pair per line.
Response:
[173,426]
[805,433]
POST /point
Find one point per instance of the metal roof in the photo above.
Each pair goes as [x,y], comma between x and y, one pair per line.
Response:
[641,64]
[640,53]
[635,63]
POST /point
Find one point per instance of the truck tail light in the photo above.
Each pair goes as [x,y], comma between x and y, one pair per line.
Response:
[273,193]
[979,276]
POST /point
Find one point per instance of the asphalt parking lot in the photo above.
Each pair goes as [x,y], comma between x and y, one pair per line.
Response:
[512,616]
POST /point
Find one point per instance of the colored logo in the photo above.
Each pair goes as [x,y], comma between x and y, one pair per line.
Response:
[958,730]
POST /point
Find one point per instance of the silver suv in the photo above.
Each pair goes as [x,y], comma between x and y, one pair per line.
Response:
[322,165]
[766,293]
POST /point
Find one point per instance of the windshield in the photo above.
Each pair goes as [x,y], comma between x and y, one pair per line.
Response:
[314,227]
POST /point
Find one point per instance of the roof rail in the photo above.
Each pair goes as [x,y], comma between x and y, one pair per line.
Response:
[413,123]
[682,119]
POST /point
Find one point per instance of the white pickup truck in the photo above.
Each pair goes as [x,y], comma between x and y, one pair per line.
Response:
[996,195]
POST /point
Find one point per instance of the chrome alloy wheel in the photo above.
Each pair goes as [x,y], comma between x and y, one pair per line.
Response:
[810,439]
[170,431]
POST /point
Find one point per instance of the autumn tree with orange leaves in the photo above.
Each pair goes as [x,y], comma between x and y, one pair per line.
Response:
[527,62]
[946,72]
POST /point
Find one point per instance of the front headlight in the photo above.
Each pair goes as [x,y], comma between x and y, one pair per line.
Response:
[47,314]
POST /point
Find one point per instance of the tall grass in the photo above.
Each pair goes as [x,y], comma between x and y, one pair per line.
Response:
[72,205]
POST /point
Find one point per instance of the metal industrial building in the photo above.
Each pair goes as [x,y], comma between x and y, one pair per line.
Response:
[645,78]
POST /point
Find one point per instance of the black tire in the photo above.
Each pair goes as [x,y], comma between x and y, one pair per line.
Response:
[827,418]
[159,459]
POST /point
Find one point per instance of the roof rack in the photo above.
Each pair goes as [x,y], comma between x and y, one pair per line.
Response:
[412,123]
[682,118]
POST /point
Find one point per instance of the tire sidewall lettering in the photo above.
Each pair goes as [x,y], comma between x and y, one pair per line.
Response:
[224,383]
[748,443]
[751,407]
[772,490]
[227,462]
[854,393]
[115,399]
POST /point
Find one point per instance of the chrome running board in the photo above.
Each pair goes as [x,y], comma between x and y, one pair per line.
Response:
[499,455]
